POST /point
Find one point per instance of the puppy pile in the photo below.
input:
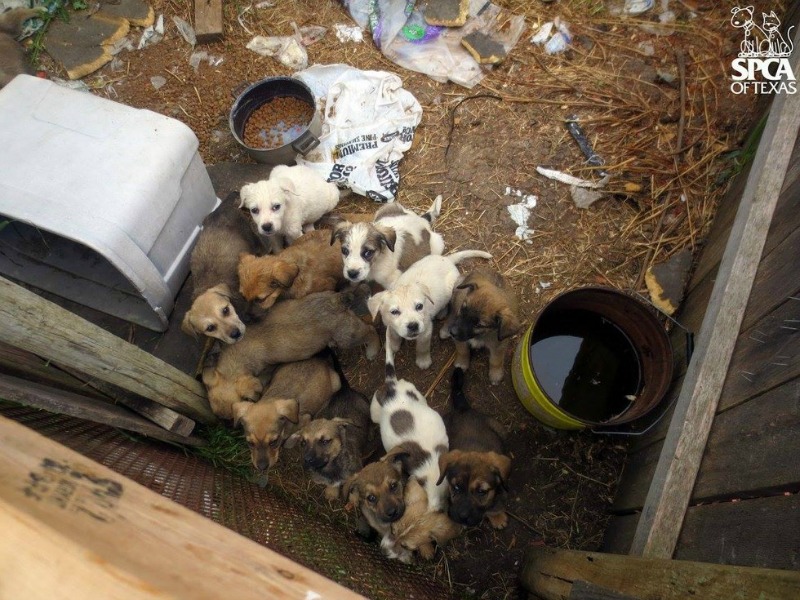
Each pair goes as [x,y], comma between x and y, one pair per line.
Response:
[280,296]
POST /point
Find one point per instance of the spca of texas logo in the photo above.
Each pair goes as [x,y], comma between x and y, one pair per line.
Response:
[763,65]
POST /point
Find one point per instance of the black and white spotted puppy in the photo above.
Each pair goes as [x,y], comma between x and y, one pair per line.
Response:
[412,432]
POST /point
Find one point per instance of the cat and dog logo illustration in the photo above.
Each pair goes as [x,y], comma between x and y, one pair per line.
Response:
[761,41]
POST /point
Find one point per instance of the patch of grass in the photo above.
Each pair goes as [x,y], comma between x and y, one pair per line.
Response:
[226,449]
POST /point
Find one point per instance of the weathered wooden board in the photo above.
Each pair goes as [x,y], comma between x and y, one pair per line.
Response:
[90,409]
[777,279]
[670,491]
[550,574]
[766,355]
[208,20]
[582,590]
[752,449]
[31,323]
[73,528]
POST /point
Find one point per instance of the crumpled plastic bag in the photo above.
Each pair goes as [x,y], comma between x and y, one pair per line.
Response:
[289,50]
[368,123]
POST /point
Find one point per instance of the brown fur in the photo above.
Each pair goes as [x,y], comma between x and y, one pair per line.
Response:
[13,60]
[217,307]
[484,313]
[297,390]
[292,330]
[377,492]
[309,265]
[418,529]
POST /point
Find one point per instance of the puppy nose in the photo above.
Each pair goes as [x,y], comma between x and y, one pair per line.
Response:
[267,227]
[413,327]
[236,334]
[391,512]
[352,273]
[262,464]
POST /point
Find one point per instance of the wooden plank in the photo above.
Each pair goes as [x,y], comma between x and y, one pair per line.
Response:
[73,528]
[619,532]
[778,278]
[658,529]
[766,355]
[550,574]
[90,409]
[763,532]
[208,20]
[753,449]
[31,323]
[583,590]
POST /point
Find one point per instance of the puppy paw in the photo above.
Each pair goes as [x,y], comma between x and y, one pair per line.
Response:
[498,520]
[426,551]
[372,351]
[424,362]
[461,363]
[495,376]
[444,333]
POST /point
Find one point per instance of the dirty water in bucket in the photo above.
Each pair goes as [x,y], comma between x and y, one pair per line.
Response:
[277,122]
[585,364]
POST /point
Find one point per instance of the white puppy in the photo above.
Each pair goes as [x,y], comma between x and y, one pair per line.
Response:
[290,201]
[396,239]
[412,432]
[417,296]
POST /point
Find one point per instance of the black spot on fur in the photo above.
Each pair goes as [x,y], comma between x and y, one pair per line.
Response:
[441,449]
[402,421]
[390,371]
[422,481]
[413,395]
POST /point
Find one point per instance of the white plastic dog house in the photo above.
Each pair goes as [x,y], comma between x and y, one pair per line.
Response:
[100,203]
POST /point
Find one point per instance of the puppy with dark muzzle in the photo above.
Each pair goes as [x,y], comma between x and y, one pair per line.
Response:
[483,314]
[336,444]
[476,468]
[377,493]
[217,306]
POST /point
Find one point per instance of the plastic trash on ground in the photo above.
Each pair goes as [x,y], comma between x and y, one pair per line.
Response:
[289,50]
[153,34]
[186,31]
[399,30]
[348,33]
[521,212]
[554,36]
[368,123]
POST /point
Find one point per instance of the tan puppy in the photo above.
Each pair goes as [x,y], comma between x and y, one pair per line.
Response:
[217,307]
[292,330]
[483,314]
[476,467]
[419,528]
[377,493]
[297,390]
[13,60]
[309,265]
[336,442]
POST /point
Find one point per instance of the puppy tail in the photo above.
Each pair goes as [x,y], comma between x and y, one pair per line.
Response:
[457,257]
[457,395]
[337,366]
[434,210]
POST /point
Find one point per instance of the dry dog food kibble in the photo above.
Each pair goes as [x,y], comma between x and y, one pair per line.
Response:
[277,122]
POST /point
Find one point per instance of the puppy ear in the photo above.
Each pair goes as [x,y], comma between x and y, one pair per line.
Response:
[239,410]
[305,419]
[245,194]
[339,231]
[351,490]
[388,236]
[187,326]
[286,273]
[470,287]
[288,409]
[507,324]
[374,304]
[501,467]
[292,440]
[426,291]
[286,184]
[343,424]
[446,461]
[223,290]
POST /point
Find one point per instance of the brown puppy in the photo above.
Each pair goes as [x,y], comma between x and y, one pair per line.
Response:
[483,314]
[377,492]
[217,307]
[476,467]
[297,390]
[336,442]
[292,330]
[13,60]
[309,265]
[419,528]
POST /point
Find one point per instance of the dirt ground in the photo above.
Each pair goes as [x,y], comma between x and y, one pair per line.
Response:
[669,158]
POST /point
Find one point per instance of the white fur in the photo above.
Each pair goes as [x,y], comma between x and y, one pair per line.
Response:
[384,269]
[428,431]
[418,295]
[291,200]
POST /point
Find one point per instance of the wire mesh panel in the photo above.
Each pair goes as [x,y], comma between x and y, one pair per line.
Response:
[262,515]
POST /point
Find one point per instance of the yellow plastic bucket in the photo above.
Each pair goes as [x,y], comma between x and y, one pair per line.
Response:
[634,319]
